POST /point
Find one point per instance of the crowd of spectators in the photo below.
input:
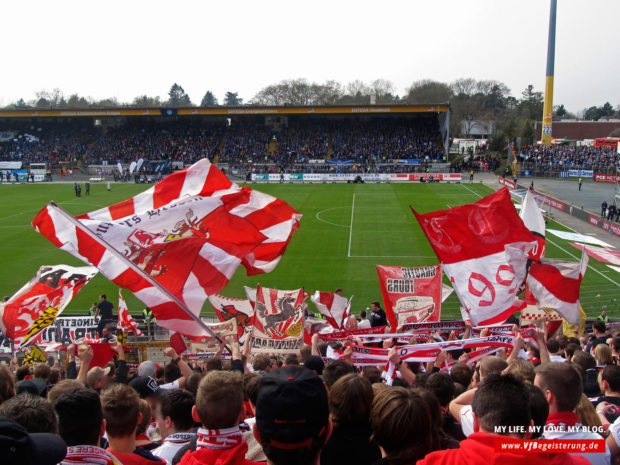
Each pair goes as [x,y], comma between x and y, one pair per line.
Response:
[238,144]
[304,409]
[564,157]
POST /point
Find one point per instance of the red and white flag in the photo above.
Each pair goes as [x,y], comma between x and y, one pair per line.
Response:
[555,285]
[335,308]
[534,221]
[227,308]
[278,320]
[178,242]
[411,294]
[126,323]
[37,304]
[484,250]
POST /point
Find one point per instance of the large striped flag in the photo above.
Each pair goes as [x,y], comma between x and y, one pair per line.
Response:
[179,241]
[484,250]
[126,323]
[335,308]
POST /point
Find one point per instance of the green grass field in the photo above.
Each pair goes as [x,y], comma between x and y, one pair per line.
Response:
[346,230]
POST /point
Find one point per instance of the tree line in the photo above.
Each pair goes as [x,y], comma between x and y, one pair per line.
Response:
[472,101]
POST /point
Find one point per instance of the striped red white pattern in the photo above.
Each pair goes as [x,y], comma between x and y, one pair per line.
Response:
[189,233]
[333,307]
[555,284]
[126,323]
[484,248]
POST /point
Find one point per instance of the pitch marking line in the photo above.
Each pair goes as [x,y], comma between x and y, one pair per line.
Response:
[560,247]
[351,226]
[318,217]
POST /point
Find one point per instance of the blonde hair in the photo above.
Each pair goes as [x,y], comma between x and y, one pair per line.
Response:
[603,355]
[587,413]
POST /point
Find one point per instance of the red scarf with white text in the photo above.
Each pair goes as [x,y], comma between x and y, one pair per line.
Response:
[87,455]
[219,439]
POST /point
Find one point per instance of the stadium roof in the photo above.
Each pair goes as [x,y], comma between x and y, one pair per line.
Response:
[230,111]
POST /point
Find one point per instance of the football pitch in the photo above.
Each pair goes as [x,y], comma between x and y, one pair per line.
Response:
[346,230]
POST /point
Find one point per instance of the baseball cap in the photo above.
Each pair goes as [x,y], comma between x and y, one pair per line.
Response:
[147,368]
[96,374]
[145,386]
[17,447]
[291,408]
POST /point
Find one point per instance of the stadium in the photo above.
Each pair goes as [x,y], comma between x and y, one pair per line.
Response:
[325,274]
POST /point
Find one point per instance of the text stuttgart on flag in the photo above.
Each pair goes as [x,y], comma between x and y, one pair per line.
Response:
[179,241]
[484,249]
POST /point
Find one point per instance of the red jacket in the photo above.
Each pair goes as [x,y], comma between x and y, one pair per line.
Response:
[135,459]
[234,456]
[479,448]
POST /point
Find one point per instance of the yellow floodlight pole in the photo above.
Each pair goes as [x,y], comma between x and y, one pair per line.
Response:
[548,105]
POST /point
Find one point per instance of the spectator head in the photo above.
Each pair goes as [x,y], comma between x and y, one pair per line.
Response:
[401,425]
[66,385]
[442,386]
[570,350]
[80,418]
[7,383]
[615,345]
[562,385]
[22,372]
[315,364]
[41,371]
[602,355]
[305,351]
[102,297]
[97,378]
[350,399]
[146,387]
[372,374]
[261,362]
[174,414]
[219,400]
[610,380]
[250,389]
[292,416]
[214,364]
[461,373]
[587,413]
[375,306]
[291,359]
[25,386]
[523,369]
[363,315]
[147,368]
[584,360]
[171,372]
[55,376]
[146,414]
[599,328]
[338,291]
[491,364]
[501,401]
[553,346]
[34,413]
[121,409]
[434,410]
[539,409]
[18,447]
[335,370]
[192,382]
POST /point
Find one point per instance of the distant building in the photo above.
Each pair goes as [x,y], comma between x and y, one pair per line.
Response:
[580,130]
[478,129]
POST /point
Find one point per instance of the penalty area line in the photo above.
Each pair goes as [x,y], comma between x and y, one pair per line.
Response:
[351,226]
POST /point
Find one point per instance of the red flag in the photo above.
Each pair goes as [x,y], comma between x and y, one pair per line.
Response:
[37,304]
[126,323]
[484,249]
[178,343]
[556,283]
[179,241]
[333,307]
[411,294]
[534,221]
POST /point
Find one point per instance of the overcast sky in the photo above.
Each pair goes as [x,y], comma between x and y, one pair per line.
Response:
[127,48]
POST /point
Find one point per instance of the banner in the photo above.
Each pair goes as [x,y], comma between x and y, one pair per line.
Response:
[581,173]
[612,178]
[410,294]
[507,182]
[239,310]
[601,254]
[37,304]
[278,321]
[342,335]
[67,330]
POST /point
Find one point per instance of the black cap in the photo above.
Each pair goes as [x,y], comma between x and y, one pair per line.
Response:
[291,408]
[145,386]
[17,447]
[26,386]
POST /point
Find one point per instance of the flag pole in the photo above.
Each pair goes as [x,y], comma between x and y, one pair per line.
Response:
[137,269]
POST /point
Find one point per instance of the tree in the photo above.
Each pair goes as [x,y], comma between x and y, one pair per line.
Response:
[231,99]
[560,111]
[53,99]
[108,103]
[428,91]
[528,132]
[178,97]
[383,91]
[208,100]
[76,101]
[531,104]
[144,101]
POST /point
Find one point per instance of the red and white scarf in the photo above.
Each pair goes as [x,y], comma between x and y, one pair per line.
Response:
[89,455]
[561,420]
[219,439]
